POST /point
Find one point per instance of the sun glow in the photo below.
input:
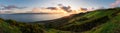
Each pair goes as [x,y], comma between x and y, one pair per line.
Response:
[43,10]
[59,10]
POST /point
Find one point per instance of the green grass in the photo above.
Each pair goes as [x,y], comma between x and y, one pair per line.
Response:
[57,31]
[9,29]
[109,27]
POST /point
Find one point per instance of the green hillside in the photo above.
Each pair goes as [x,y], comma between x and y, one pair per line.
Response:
[98,21]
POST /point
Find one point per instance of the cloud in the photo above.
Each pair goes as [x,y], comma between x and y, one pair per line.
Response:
[49,10]
[115,4]
[11,7]
[58,9]
[52,8]
[65,8]
[1,5]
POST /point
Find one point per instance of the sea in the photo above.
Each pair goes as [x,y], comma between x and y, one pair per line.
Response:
[31,17]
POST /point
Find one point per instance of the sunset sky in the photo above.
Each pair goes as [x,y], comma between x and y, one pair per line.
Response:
[75,4]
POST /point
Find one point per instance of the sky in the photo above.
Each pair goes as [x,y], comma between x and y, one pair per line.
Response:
[75,4]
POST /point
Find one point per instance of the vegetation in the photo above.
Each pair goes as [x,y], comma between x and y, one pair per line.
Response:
[98,21]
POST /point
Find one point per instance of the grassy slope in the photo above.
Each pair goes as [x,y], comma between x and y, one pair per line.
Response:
[95,19]
[112,26]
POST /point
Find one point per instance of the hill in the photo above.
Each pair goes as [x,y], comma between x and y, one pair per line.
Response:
[97,21]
